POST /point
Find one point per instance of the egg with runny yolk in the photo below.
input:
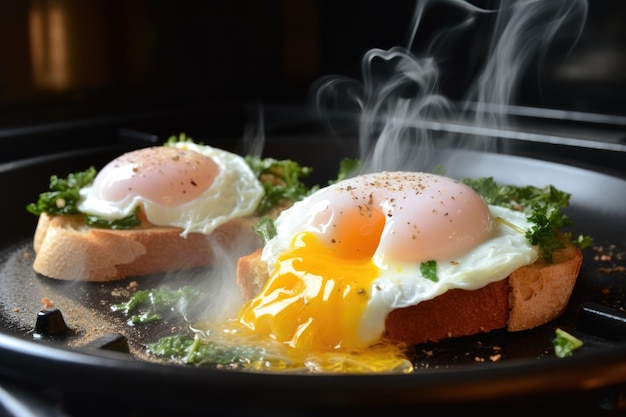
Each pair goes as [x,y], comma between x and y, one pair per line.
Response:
[347,255]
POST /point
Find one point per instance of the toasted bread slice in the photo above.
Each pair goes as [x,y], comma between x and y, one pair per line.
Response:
[531,296]
[68,249]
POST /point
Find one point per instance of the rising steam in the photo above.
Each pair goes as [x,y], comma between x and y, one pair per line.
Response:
[401,110]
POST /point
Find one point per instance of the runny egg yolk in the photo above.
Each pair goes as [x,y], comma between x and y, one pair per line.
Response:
[332,247]
[166,176]
[315,299]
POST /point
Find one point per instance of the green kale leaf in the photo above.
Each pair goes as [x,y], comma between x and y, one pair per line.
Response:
[63,194]
[281,181]
[543,207]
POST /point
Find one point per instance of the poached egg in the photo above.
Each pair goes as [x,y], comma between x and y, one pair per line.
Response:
[350,253]
[183,184]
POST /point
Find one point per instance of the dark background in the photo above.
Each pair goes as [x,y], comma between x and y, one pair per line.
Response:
[69,66]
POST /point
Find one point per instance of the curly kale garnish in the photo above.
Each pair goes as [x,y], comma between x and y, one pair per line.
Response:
[63,194]
[281,181]
[517,197]
[547,222]
[543,207]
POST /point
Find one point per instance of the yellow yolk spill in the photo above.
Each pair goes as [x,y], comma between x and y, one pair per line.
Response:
[314,300]
[313,303]
[318,292]
[279,357]
[307,316]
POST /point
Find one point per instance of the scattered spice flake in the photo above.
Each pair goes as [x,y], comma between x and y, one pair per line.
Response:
[47,303]
[610,257]
[608,270]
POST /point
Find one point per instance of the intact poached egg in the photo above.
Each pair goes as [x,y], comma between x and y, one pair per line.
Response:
[183,184]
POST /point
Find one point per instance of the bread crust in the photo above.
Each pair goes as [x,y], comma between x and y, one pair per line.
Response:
[540,292]
[67,249]
[531,296]
[251,274]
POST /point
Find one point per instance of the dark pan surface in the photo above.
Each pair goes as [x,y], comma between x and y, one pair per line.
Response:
[461,372]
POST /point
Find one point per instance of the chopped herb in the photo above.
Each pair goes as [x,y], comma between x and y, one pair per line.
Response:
[265,228]
[175,347]
[158,299]
[144,317]
[128,222]
[429,270]
[281,181]
[565,344]
[190,350]
[63,194]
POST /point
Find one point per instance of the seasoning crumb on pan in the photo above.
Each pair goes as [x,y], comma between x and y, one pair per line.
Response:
[609,256]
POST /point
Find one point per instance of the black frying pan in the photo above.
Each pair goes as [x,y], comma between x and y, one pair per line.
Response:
[455,375]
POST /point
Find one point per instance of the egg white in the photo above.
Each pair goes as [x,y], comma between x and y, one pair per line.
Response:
[235,192]
[403,285]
